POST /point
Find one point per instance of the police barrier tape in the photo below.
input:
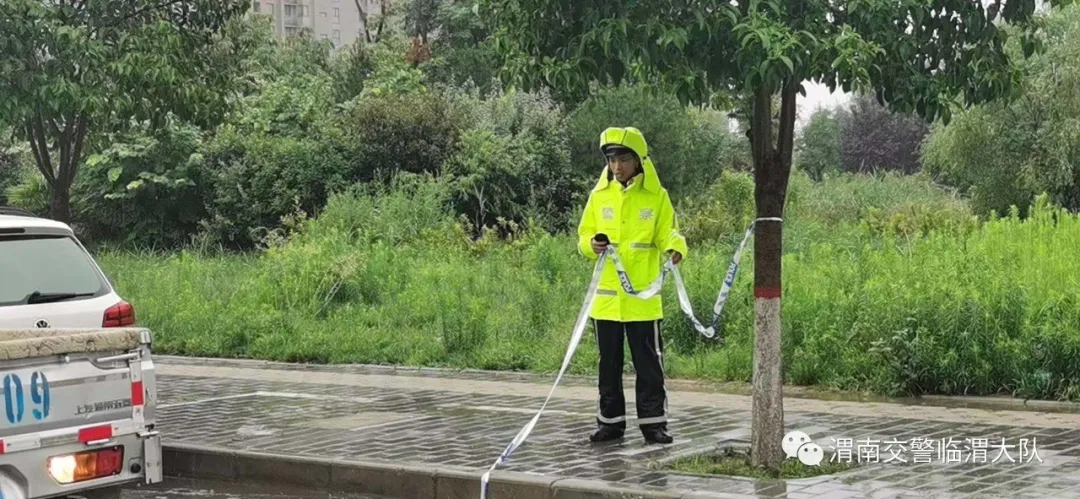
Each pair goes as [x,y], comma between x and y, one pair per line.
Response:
[648,292]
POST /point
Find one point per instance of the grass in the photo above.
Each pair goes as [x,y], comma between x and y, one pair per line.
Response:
[905,294]
[733,462]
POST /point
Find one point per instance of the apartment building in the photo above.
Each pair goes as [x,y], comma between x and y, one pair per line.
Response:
[338,21]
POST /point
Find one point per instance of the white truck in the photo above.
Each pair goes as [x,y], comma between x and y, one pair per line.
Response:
[77,386]
[77,415]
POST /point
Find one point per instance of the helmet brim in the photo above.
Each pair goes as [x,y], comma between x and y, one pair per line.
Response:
[615,149]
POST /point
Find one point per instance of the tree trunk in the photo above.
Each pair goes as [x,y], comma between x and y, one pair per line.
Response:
[364,21]
[68,142]
[60,203]
[772,167]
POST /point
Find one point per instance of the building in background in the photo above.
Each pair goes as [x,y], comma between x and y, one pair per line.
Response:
[339,21]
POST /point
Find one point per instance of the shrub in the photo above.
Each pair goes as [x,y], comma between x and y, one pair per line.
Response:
[721,213]
[259,180]
[513,162]
[31,193]
[282,153]
[147,190]
[412,132]
[1004,153]
[968,155]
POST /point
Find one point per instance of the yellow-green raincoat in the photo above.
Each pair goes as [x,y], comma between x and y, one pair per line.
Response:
[640,222]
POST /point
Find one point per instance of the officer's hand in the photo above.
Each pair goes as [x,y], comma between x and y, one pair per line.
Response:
[598,247]
[676,257]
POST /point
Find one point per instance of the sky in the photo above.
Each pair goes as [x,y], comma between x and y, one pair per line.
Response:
[817,96]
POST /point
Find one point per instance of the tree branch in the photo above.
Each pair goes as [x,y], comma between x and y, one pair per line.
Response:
[81,129]
[167,3]
[55,127]
[40,146]
[131,15]
[33,145]
[63,141]
[383,8]
[787,121]
[761,126]
[364,21]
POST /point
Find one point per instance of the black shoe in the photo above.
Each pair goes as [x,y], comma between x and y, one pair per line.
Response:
[605,435]
[657,436]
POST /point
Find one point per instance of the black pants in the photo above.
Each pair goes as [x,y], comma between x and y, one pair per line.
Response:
[646,350]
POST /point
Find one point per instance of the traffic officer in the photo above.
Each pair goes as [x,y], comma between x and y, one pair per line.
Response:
[634,213]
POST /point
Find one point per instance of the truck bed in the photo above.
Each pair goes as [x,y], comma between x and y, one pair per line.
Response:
[66,391]
[30,343]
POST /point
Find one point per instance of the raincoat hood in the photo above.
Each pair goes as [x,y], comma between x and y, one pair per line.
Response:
[630,138]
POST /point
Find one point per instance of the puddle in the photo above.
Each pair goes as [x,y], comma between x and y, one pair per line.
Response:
[256,431]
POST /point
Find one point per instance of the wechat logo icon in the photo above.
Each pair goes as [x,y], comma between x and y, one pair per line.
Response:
[798,445]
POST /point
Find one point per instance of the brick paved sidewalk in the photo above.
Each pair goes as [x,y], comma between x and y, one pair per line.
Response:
[464,420]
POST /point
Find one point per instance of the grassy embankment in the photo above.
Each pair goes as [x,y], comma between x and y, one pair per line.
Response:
[889,286]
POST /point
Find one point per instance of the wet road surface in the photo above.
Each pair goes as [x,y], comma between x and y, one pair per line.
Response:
[176,488]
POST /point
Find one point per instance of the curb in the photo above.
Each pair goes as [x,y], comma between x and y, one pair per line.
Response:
[980,402]
[391,480]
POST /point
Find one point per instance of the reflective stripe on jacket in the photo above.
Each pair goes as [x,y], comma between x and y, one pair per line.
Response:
[640,222]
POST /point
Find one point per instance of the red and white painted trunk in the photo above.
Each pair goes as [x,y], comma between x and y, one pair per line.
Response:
[772,167]
[768,401]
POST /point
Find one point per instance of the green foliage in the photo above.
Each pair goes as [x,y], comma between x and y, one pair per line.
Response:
[721,212]
[147,189]
[300,106]
[819,145]
[392,73]
[851,197]
[349,71]
[276,59]
[127,58]
[697,51]
[730,461]
[112,65]
[281,152]
[11,171]
[411,132]
[1003,154]
[463,52]
[513,162]
[260,179]
[421,17]
[31,193]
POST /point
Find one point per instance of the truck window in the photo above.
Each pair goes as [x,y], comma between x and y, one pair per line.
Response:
[48,265]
